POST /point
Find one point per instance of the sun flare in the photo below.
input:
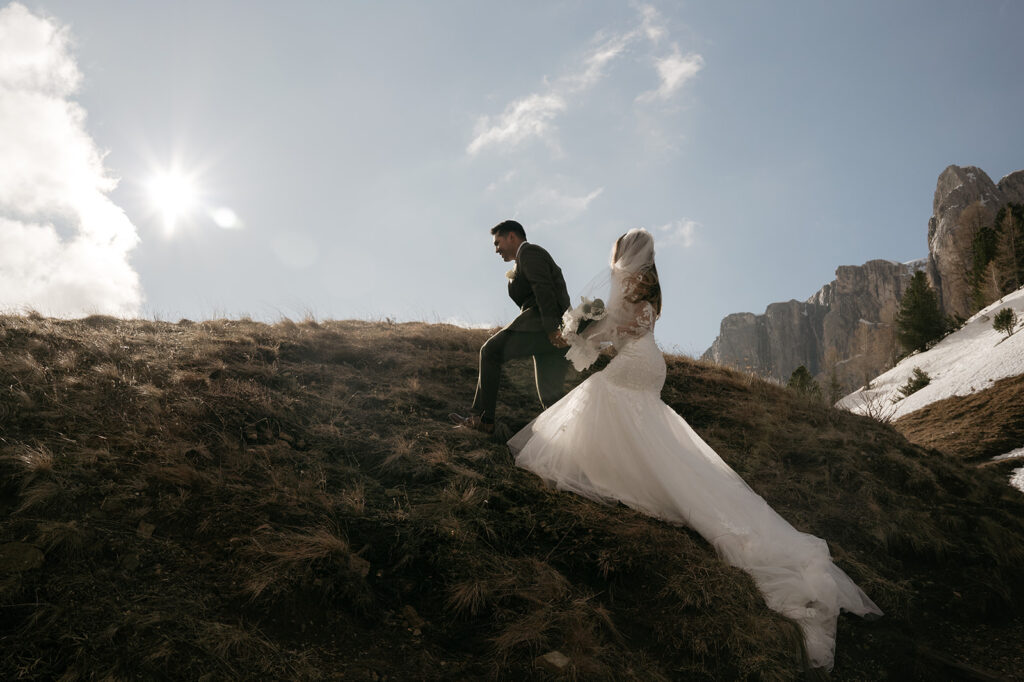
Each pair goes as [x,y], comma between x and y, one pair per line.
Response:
[174,196]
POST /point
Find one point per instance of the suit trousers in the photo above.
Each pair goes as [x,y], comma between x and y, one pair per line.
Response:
[549,367]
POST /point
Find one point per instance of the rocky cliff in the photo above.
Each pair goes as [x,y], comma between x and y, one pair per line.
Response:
[965,200]
[846,327]
[846,330]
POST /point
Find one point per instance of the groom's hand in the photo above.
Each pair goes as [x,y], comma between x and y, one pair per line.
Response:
[556,339]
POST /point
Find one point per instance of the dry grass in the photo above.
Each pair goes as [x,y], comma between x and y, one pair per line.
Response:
[975,427]
[249,501]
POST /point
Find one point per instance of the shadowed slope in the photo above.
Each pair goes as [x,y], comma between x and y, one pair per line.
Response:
[974,427]
[287,501]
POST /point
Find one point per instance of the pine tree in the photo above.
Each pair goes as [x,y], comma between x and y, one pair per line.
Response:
[997,252]
[835,389]
[984,246]
[1005,321]
[918,380]
[1009,255]
[919,321]
[802,382]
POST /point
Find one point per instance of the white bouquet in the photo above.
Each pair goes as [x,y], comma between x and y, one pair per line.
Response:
[583,351]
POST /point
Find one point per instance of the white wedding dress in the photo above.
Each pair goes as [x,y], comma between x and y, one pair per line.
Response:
[613,439]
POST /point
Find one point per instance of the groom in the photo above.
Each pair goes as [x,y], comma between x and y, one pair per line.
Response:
[537,287]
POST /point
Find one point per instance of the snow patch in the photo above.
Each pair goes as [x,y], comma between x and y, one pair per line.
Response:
[967,360]
[1017,479]
[1012,454]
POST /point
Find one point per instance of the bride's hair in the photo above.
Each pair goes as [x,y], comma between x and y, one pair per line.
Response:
[645,285]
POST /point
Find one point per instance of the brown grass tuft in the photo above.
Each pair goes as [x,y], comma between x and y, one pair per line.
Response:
[40,495]
[35,460]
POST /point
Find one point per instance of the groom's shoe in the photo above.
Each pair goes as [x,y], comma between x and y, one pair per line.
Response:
[472,423]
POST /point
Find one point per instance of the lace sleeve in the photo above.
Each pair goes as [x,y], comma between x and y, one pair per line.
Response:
[642,322]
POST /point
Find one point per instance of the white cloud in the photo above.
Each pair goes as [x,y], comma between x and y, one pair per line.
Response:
[652,26]
[681,232]
[523,119]
[548,206]
[534,115]
[64,244]
[594,64]
[34,55]
[674,71]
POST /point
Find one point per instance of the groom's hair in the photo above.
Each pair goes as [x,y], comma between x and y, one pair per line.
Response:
[507,226]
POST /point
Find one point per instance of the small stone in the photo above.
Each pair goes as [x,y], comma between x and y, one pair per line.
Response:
[145,530]
[552,661]
[130,562]
[16,557]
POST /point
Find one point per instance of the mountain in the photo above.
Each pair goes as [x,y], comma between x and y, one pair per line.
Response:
[234,500]
[844,333]
[846,327]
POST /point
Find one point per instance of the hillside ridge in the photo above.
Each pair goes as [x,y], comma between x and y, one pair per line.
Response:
[253,501]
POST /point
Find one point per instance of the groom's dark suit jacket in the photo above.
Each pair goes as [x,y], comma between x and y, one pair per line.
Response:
[538,288]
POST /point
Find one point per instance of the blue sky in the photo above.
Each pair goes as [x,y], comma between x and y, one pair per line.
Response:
[359,152]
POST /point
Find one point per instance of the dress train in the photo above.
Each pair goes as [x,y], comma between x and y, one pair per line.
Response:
[613,439]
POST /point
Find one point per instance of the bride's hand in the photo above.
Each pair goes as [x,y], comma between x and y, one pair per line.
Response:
[556,340]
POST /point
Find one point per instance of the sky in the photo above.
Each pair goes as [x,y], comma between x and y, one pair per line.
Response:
[341,160]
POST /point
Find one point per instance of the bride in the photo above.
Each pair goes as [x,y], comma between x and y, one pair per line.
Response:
[613,439]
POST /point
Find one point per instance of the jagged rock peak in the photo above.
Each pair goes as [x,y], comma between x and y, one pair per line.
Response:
[951,228]
[957,187]
[1012,186]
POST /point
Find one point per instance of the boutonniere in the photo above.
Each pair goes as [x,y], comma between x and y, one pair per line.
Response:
[511,274]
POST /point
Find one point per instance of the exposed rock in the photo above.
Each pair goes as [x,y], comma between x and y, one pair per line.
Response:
[1012,187]
[965,199]
[848,327]
[553,661]
[950,232]
[741,343]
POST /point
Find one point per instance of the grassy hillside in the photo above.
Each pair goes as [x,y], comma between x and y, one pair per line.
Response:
[973,427]
[230,499]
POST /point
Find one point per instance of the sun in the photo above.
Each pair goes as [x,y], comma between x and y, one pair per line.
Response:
[174,196]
